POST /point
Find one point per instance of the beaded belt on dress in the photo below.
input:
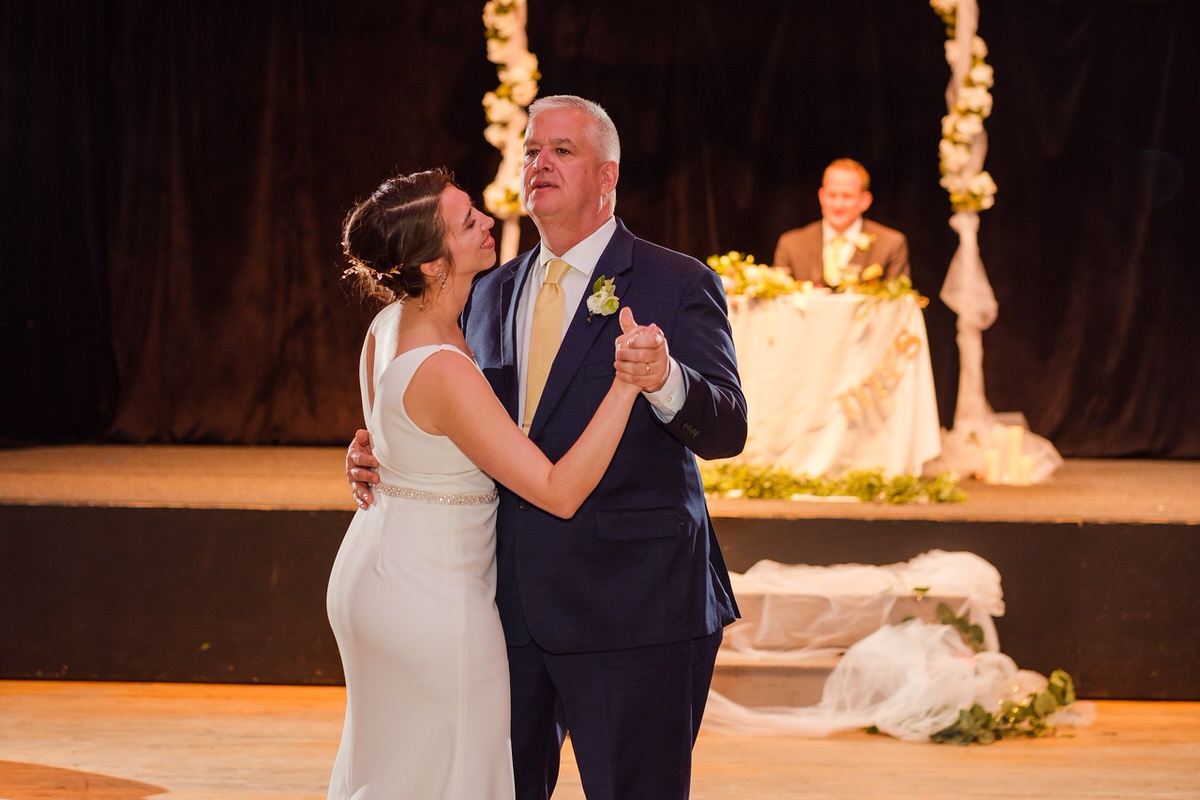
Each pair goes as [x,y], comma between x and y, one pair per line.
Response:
[434,497]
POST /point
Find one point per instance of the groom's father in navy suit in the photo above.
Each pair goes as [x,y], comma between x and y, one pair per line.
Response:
[613,617]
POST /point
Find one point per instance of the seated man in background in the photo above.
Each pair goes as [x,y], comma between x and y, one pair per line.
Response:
[839,246]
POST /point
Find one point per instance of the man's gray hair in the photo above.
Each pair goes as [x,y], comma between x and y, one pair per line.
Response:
[603,132]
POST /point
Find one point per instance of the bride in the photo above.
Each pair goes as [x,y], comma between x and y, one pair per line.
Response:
[411,597]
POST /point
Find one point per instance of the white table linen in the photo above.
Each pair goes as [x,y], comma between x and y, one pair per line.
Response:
[836,382]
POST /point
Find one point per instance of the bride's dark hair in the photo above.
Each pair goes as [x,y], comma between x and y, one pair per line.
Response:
[388,236]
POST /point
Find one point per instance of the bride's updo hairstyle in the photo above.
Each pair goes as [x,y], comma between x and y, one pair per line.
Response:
[388,236]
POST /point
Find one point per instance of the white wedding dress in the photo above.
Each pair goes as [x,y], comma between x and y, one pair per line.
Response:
[412,603]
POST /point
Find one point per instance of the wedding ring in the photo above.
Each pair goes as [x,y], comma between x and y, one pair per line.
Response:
[647,369]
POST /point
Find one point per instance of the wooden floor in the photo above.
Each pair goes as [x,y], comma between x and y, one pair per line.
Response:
[105,741]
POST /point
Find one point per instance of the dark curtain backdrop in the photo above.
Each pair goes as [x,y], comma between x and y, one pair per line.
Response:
[174,176]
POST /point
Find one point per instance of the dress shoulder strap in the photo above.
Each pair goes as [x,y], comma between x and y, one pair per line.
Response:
[379,348]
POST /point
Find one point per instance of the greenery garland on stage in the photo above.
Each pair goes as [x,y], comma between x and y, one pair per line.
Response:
[735,481]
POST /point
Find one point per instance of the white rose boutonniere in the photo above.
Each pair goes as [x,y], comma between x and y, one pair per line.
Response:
[603,300]
[863,241]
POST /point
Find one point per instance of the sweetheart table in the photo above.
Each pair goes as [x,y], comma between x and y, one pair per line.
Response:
[836,382]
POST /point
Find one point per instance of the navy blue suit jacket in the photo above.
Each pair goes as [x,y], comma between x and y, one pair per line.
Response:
[639,563]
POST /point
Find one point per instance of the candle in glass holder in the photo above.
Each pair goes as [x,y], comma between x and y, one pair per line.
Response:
[1013,462]
[991,465]
[1025,470]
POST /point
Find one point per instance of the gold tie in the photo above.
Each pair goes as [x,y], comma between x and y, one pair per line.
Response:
[833,261]
[545,335]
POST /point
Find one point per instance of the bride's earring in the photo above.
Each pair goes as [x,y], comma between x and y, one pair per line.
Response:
[444,274]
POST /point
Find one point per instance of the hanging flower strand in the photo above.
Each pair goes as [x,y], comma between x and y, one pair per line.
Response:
[504,107]
[969,103]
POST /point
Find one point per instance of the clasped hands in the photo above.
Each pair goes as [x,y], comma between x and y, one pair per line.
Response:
[641,359]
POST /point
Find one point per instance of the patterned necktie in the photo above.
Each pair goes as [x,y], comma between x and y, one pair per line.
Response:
[545,335]
[833,261]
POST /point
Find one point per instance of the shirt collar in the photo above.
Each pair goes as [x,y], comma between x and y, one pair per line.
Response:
[850,235]
[584,256]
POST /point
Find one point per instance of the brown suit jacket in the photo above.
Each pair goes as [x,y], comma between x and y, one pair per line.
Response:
[800,249]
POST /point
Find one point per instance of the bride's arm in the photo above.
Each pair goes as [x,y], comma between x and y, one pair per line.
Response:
[449,396]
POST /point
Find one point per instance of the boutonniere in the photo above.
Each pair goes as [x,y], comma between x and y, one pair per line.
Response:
[603,300]
[864,240]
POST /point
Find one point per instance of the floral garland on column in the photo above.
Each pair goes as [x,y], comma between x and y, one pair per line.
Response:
[961,151]
[964,141]
[517,68]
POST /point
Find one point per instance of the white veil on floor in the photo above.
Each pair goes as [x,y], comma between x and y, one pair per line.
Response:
[908,679]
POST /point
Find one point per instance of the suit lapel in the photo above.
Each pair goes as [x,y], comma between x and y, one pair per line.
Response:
[510,295]
[816,252]
[864,257]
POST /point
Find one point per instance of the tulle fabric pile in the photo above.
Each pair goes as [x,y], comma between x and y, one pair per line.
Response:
[909,678]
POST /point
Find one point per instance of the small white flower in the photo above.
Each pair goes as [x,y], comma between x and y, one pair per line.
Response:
[505,25]
[953,183]
[981,75]
[948,123]
[951,47]
[496,134]
[501,200]
[499,109]
[975,98]
[982,185]
[495,50]
[523,66]
[523,92]
[967,127]
[954,155]
[603,299]
[493,194]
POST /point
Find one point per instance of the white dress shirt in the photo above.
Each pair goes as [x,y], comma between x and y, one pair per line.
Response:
[583,258]
[849,236]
